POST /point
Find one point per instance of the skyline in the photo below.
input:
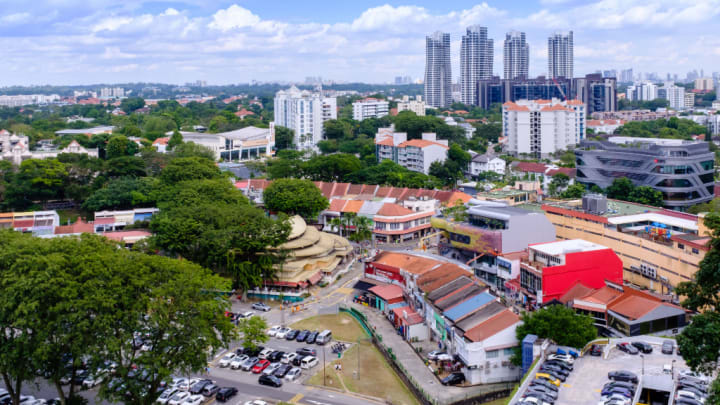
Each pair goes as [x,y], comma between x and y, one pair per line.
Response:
[176,41]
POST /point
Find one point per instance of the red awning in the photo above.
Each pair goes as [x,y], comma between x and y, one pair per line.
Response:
[513,285]
[315,278]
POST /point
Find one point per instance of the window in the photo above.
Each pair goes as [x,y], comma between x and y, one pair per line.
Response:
[509,351]
[492,354]
[456,237]
[707,165]
[681,246]
[695,251]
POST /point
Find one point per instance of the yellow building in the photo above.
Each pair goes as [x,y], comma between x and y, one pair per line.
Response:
[659,248]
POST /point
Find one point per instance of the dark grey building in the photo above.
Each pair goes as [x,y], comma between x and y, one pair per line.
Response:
[681,170]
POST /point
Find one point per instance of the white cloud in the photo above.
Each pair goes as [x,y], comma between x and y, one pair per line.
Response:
[233,17]
[389,18]
[479,14]
[113,52]
[15,18]
[111,24]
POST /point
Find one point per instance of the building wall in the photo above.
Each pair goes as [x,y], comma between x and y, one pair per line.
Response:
[418,107]
[590,268]
[438,72]
[674,264]
[485,369]
[541,133]
[370,109]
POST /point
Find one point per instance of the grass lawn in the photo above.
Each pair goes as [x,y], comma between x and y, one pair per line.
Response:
[342,325]
[377,379]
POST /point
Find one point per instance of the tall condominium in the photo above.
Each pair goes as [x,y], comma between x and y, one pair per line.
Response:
[560,54]
[476,62]
[516,56]
[539,128]
[304,112]
[438,74]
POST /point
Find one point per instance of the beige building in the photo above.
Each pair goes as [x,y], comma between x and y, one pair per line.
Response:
[704,84]
[417,106]
[659,248]
[689,99]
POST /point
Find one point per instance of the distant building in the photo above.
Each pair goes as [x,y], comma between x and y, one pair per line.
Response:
[689,100]
[486,163]
[626,76]
[112,92]
[540,128]
[704,84]
[645,91]
[415,154]
[713,124]
[634,115]
[476,61]
[459,122]
[560,55]
[438,72]
[681,170]
[370,108]
[604,126]
[87,131]
[417,106]
[675,95]
[38,222]
[516,56]
[240,144]
[304,112]
[16,149]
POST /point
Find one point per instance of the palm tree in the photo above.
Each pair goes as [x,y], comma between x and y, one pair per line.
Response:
[348,220]
[336,223]
[363,229]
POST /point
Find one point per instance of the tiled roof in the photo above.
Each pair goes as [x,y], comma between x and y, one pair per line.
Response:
[492,326]
[394,210]
[410,263]
[602,295]
[556,107]
[413,318]
[439,277]
[421,143]
[576,291]
[510,106]
[633,306]
[337,204]
[530,167]
[385,141]
[340,189]
[79,226]
[570,172]
[161,141]
[355,189]
[353,206]
[387,291]
[574,102]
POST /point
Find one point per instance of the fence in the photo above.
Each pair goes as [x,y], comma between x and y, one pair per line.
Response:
[422,396]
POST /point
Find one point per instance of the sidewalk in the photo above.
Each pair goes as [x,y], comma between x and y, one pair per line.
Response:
[416,366]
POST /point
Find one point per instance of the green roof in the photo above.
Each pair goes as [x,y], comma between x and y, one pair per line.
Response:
[615,208]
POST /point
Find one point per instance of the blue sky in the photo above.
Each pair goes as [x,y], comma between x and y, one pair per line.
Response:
[236,41]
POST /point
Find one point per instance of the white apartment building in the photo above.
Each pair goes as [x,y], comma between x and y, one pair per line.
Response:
[417,106]
[704,84]
[642,92]
[689,100]
[713,124]
[370,108]
[112,92]
[560,55]
[304,112]
[416,154]
[675,96]
[539,128]
[486,163]
[240,144]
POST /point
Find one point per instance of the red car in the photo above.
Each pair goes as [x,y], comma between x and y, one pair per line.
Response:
[260,366]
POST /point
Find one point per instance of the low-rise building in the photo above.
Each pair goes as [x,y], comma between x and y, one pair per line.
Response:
[36,222]
[659,248]
[108,129]
[604,126]
[486,163]
[417,106]
[637,115]
[415,154]
[370,108]
[16,148]
[108,221]
[240,144]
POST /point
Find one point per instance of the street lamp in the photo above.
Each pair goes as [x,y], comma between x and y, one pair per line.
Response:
[672,370]
[643,364]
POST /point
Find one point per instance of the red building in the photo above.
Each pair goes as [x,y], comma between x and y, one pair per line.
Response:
[397,268]
[553,268]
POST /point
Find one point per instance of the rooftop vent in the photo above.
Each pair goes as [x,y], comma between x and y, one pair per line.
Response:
[594,204]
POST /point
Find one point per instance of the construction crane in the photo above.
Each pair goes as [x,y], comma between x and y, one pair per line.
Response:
[562,92]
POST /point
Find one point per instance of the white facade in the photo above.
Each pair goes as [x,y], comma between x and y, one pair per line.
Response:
[486,163]
[560,55]
[438,71]
[15,148]
[416,154]
[469,129]
[516,55]
[370,108]
[713,124]
[642,92]
[675,96]
[304,112]
[240,144]
[540,128]
[417,106]
[689,100]
[476,62]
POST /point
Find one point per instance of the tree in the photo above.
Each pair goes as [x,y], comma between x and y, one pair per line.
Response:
[37,180]
[120,145]
[284,138]
[363,229]
[175,140]
[295,197]
[575,190]
[253,331]
[458,211]
[189,168]
[334,167]
[558,323]
[131,104]
[191,149]
[620,189]
[558,183]
[122,193]
[646,195]
[337,129]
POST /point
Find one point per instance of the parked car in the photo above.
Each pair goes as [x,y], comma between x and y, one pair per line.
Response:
[292,335]
[270,380]
[433,355]
[260,366]
[549,368]
[297,361]
[690,394]
[293,374]
[684,382]
[302,336]
[453,379]
[282,370]
[275,356]
[210,390]
[245,315]
[194,400]
[596,350]
[694,390]
[614,397]
[311,337]
[265,353]
[543,390]
[287,358]
[308,362]
[627,348]
[271,368]
[668,346]
[306,351]
[617,390]
[199,386]
[564,357]
[554,374]
[249,364]
[227,359]
[623,375]
[643,347]
[261,306]
[538,395]
[544,383]
[282,332]
[178,398]
[623,384]
[272,331]
[238,361]
[93,379]
[561,364]
[251,352]
[549,378]
[691,374]
[225,393]
[166,395]
[687,401]
[532,401]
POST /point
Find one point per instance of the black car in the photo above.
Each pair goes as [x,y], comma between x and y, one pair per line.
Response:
[684,382]
[542,390]
[199,386]
[292,334]
[622,384]
[544,383]
[623,375]
[539,395]
[282,370]
[596,350]
[453,379]
[554,373]
[210,390]
[275,356]
[226,393]
[297,361]
[250,352]
[311,337]
[302,336]
[668,347]
[617,390]
[270,380]
[561,364]
[643,347]
[306,351]
[627,348]
[80,376]
[555,368]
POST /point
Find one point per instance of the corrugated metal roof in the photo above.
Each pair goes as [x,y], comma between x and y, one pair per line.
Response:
[469,306]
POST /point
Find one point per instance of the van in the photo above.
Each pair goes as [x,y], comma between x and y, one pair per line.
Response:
[308,362]
[324,337]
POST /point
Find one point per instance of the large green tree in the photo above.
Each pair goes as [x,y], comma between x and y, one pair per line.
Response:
[37,180]
[253,332]
[295,197]
[335,167]
[284,138]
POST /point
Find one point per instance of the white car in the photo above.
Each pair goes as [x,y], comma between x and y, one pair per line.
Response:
[689,394]
[166,395]
[194,400]
[246,314]
[562,357]
[93,379]
[293,374]
[309,362]
[271,368]
[182,384]
[533,401]
[615,397]
[274,330]
[179,398]
[287,358]
[694,375]
[266,352]
[227,359]
[282,332]
[238,361]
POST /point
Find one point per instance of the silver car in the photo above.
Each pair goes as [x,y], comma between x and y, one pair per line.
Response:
[293,374]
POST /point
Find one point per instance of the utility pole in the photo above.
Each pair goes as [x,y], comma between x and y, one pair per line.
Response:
[324,377]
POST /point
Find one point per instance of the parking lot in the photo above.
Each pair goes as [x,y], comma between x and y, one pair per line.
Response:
[584,384]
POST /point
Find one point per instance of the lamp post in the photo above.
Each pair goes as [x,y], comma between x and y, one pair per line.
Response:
[643,364]
[672,370]
[324,377]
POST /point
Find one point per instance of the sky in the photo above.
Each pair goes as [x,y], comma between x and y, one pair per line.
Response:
[237,41]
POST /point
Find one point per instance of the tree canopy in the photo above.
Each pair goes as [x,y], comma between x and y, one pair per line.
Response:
[295,197]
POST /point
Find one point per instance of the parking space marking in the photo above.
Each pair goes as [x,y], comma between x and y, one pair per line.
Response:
[296,398]
[567,385]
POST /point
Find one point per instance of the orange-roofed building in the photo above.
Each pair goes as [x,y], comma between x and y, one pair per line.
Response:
[160,144]
[244,113]
[539,128]
[400,268]
[394,223]
[414,154]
